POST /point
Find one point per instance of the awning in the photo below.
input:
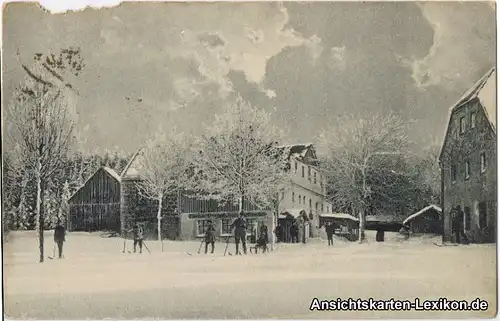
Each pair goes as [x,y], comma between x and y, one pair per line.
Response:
[293,212]
[344,216]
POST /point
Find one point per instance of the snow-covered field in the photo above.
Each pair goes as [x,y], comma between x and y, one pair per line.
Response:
[97,281]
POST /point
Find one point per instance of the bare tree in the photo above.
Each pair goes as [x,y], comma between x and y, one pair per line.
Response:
[239,157]
[165,164]
[40,113]
[350,149]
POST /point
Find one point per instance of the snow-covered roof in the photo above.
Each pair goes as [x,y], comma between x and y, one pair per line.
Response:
[132,169]
[485,90]
[422,211]
[340,216]
[112,172]
[295,212]
[106,169]
[297,150]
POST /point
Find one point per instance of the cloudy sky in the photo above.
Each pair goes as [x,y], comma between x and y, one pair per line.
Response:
[305,63]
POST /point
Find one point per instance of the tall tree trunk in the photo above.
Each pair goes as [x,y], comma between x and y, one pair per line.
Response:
[362,209]
[240,204]
[158,217]
[39,212]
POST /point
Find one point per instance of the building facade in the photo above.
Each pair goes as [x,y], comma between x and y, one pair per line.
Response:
[185,216]
[468,163]
[96,205]
[307,190]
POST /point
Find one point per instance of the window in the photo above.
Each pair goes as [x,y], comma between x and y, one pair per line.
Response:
[295,162]
[310,204]
[322,207]
[201,226]
[473,120]
[303,171]
[483,162]
[328,209]
[467,170]
[300,199]
[308,173]
[315,180]
[304,200]
[462,125]
[482,214]
[317,206]
[293,197]
[282,195]
[225,228]
[467,218]
[453,173]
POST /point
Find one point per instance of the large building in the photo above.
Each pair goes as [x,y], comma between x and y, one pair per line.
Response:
[468,161]
[185,216]
[307,191]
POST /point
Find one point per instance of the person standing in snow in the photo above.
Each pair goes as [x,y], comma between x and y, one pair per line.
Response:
[138,234]
[329,232]
[240,227]
[60,237]
[210,237]
[263,238]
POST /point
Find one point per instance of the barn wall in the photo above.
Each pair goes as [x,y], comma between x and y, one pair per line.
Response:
[96,206]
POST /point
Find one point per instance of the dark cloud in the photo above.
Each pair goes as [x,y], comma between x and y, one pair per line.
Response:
[304,62]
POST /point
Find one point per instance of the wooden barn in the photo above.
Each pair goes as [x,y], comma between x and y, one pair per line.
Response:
[346,225]
[96,205]
[428,220]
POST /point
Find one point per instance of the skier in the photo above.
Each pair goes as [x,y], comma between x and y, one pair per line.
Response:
[263,238]
[60,237]
[138,236]
[210,237]
[240,226]
[329,232]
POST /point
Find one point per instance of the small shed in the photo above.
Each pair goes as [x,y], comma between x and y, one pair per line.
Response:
[287,218]
[96,205]
[427,220]
[346,225]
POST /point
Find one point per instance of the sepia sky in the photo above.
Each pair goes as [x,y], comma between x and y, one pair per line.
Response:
[305,63]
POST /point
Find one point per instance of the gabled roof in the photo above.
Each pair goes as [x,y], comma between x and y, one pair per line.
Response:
[298,151]
[112,172]
[422,211]
[108,170]
[131,170]
[484,90]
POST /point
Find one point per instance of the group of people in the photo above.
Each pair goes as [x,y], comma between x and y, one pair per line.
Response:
[240,235]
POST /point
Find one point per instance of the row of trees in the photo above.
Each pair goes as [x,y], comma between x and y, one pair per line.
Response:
[239,157]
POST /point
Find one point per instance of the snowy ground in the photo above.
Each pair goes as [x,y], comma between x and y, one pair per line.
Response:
[97,281]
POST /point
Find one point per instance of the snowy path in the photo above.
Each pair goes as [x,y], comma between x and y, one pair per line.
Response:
[104,283]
